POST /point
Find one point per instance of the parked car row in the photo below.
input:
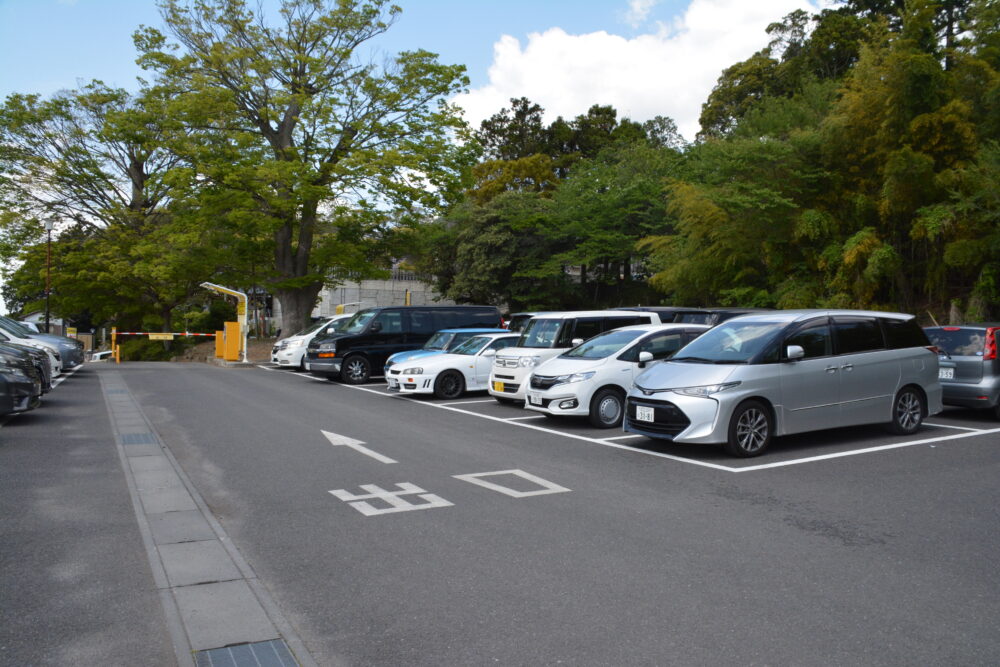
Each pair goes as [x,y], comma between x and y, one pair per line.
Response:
[731,377]
[29,362]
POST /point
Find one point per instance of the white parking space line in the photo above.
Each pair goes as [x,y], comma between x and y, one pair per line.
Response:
[867,450]
[550,431]
[482,400]
[704,464]
[514,419]
[960,428]
[66,374]
[622,437]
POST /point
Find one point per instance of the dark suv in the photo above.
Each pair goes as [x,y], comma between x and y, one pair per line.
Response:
[969,370]
[371,336]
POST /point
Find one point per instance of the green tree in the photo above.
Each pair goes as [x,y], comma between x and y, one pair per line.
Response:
[330,150]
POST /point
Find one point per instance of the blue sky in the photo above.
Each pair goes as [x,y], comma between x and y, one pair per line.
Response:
[645,57]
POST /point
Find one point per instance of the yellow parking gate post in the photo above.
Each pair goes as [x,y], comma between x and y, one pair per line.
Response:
[220,344]
[233,341]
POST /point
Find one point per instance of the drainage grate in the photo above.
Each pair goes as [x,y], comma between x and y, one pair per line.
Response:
[271,653]
[138,439]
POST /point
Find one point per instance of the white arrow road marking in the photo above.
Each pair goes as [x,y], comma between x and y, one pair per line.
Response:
[338,440]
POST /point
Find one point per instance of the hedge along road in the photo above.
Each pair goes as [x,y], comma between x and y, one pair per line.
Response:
[466,539]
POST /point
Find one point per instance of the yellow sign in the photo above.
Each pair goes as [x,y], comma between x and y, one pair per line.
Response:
[161,336]
[70,332]
[241,308]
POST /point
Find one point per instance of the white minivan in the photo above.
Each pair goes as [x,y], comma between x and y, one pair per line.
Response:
[591,380]
[548,335]
[290,352]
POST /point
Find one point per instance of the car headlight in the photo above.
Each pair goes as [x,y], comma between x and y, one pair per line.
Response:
[527,361]
[327,347]
[295,343]
[413,371]
[704,390]
[575,377]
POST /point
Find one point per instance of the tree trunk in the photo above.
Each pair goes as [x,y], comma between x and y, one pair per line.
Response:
[296,307]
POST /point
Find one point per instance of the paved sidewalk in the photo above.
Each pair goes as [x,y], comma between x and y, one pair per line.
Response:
[110,556]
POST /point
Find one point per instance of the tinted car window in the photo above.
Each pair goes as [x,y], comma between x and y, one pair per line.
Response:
[901,334]
[501,343]
[423,322]
[815,339]
[857,335]
[959,341]
[695,318]
[541,333]
[391,321]
[586,327]
[735,342]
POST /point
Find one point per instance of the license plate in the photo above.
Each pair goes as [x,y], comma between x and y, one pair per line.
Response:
[946,373]
[534,399]
[643,413]
[498,386]
[393,383]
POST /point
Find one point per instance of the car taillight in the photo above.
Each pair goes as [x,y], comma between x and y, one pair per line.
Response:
[990,351]
[951,328]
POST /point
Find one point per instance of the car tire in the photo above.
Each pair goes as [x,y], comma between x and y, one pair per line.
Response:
[607,408]
[751,429]
[908,411]
[450,384]
[356,370]
[302,364]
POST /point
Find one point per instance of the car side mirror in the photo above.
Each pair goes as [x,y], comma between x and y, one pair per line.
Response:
[489,353]
[577,341]
[645,358]
[794,352]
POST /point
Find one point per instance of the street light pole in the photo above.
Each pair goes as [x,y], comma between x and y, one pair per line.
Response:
[48,270]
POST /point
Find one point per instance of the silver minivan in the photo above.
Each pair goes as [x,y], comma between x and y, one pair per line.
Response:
[758,376]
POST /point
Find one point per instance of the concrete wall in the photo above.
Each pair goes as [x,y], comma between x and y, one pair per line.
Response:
[374,293]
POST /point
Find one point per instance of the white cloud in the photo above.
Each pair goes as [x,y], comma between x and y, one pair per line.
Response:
[669,73]
[638,10]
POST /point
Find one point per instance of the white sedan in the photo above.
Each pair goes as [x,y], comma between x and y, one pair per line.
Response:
[465,368]
[592,379]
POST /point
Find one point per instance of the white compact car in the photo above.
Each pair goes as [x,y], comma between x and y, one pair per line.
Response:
[290,352]
[592,379]
[465,368]
[547,335]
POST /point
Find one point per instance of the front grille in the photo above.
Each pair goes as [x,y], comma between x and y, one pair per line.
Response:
[394,372]
[543,381]
[509,388]
[668,419]
[503,377]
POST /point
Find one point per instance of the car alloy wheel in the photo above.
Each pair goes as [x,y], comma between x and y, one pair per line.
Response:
[750,430]
[907,412]
[356,370]
[449,384]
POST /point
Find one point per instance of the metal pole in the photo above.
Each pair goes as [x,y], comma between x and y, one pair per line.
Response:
[48,274]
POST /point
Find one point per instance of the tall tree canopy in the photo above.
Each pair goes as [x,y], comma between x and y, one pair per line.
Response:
[297,136]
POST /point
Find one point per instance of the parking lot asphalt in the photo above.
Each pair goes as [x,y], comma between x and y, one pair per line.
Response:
[953,424]
[395,530]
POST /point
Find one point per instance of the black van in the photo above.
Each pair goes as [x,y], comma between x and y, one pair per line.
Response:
[372,335]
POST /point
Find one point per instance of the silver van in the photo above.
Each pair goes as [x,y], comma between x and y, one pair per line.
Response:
[970,367]
[780,372]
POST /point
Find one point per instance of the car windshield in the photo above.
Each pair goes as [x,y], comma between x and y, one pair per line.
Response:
[439,341]
[339,326]
[311,328]
[14,329]
[540,333]
[360,320]
[730,343]
[958,341]
[603,345]
[472,345]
